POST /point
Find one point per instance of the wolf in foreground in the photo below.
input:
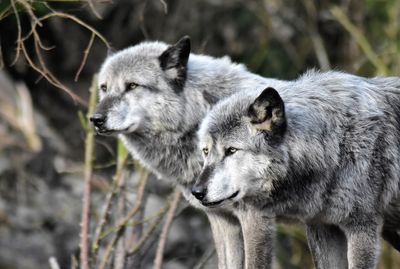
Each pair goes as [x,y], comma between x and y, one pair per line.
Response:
[324,149]
[154,97]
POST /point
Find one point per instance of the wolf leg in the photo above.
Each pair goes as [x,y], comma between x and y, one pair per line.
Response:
[258,234]
[328,246]
[228,240]
[363,245]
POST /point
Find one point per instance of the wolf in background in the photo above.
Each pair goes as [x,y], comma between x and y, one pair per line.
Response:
[324,149]
[154,97]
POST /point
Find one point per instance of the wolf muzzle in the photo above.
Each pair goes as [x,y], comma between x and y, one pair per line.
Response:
[199,189]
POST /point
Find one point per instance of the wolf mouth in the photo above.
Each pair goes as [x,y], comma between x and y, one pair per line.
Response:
[108,132]
[220,201]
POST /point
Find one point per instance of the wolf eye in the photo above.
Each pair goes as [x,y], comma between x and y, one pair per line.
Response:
[131,86]
[230,151]
[205,151]
[103,87]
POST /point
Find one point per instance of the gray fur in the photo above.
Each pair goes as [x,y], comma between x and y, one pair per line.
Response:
[159,118]
[327,154]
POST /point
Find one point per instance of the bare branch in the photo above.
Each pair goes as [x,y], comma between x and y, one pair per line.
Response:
[6,12]
[361,40]
[109,250]
[89,148]
[93,9]
[19,35]
[316,39]
[53,263]
[28,8]
[85,56]
[106,212]
[74,262]
[164,234]
[141,20]
[41,67]
[76,20]
[55,83]
[165,6]
[123,223]
[149,231]
[120,251]
[1,56]
[204,259]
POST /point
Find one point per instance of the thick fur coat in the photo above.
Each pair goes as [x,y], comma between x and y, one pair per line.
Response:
[324,149]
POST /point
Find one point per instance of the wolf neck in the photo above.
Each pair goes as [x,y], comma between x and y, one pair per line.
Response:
[173,155]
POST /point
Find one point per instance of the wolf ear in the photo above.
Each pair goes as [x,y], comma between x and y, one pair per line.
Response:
[176,55]
[267,113]
[174,60]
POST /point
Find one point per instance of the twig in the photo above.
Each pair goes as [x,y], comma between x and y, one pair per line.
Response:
[48,75]
[92,7]
[25,118]
[165,6]
[29,10]
[120,250]
[316,39]
[120,255]
[19,35]
[135,233]
[53,263]
[109,250]
[49,78]
[123,223]
[74,262]
[360,39]
[164,234]
[76,20]
[106,212]
[142,22]
[6,12]
[89,147]
[1,56]
[85,56]
[149,231]
[41,67]
[75,1]
[204,259]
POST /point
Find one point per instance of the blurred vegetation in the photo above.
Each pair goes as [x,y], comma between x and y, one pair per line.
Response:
[49,52]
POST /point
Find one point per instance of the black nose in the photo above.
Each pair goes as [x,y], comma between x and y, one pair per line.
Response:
[199,192]
[98,119]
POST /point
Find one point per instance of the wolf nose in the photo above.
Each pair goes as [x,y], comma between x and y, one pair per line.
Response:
[199,192]
[98,119]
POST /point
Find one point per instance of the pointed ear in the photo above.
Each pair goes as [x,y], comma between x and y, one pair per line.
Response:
[174,61]
[176,55]
[267,113]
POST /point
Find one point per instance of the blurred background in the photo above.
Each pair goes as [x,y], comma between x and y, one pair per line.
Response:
[49,157]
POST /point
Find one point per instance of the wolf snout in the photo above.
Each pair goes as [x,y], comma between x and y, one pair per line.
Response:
[199,192]
[98,119]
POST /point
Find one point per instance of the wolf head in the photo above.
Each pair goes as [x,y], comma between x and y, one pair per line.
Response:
[137,83]
[241,140]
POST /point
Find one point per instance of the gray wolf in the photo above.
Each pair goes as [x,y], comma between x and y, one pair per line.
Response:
[324,149]
[154,96]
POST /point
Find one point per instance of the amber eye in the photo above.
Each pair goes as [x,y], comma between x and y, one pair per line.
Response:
[205,151]
[131,86]
[103,87]
[230,151]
